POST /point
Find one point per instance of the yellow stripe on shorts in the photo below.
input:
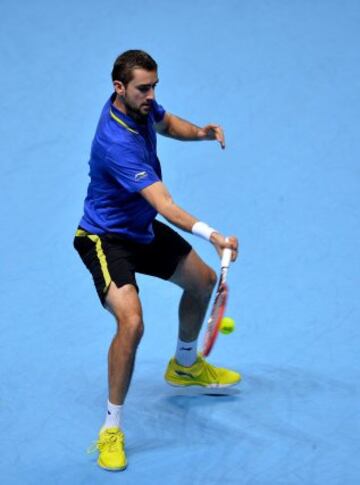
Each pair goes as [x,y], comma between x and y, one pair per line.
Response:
[100,254]
[81,233]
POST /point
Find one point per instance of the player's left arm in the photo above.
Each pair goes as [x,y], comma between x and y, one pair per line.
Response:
[159,197]
[175,127]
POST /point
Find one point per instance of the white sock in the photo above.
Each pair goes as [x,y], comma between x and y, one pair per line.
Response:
[113,416]
[186,353]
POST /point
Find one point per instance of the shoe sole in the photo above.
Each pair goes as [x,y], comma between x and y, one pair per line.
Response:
[210,387]
[203,391]
[112,469]
[199,386]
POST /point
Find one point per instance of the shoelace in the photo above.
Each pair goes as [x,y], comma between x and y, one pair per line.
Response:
[211,370]
[203,365]
[113,440]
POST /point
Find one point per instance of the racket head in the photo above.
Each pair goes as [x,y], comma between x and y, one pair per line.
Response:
[216,315]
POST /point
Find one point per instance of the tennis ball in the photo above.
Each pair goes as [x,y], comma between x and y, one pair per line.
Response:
[227,325]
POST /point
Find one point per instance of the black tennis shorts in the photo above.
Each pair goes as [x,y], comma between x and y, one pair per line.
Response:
[111,257]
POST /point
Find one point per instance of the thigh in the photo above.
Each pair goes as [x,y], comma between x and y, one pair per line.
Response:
[123,303]
[193,274]
[162,256]
[107,259]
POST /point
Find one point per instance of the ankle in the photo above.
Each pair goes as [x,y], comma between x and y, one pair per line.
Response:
[113,417]
[186,353]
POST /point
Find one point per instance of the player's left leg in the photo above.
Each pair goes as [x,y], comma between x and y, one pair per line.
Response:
[188,368]
[171,258]
[197,280]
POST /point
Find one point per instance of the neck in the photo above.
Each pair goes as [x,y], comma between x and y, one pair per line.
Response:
[121,106]
[118,103]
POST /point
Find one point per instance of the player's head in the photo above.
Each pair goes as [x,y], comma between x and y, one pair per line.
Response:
[128,61]
[134,78]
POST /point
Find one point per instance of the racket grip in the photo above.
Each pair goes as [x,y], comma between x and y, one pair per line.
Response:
[226,258]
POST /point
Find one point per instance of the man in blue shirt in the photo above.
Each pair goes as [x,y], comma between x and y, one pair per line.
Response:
[118,236]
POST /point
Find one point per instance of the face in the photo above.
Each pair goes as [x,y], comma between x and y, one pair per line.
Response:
[136,98]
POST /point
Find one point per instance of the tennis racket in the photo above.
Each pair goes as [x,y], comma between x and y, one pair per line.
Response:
[219,305]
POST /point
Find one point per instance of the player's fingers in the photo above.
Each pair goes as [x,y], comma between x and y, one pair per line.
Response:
[233,243]
[220,136]
[221,242]
[215,132]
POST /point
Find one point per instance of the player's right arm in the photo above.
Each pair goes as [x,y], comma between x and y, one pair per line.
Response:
[175,127]
[159,197]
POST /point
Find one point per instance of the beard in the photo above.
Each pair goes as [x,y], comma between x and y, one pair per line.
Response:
[135,112]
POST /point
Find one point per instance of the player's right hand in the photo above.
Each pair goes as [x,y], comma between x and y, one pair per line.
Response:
[212,132]
[221,242]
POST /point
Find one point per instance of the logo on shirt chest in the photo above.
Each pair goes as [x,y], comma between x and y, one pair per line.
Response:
[140,176]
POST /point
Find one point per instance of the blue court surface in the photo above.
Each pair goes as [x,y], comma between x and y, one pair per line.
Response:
[283,78]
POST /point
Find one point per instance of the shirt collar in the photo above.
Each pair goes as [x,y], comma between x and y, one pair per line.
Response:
[123,119]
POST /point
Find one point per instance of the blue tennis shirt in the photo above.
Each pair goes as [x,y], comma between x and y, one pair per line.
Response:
[123,161]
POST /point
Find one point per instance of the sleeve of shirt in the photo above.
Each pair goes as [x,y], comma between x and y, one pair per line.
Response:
[158,112]
[127,164]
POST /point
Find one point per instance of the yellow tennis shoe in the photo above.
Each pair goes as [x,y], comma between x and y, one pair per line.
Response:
[201,373]
[111,449]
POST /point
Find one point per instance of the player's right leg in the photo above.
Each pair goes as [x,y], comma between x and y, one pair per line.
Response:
[108,261]
[125,305]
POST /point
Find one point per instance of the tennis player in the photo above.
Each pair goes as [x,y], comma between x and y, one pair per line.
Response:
[119,236]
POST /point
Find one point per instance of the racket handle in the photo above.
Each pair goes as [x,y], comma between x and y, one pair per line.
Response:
[226,258]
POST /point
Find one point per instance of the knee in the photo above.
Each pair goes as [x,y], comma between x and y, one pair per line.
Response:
[207,283]
[211,279]
[131,328]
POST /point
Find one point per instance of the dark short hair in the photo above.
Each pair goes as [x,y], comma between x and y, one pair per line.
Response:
[126,62]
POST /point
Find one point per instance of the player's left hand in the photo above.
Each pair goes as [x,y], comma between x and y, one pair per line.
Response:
[220,242]
[212,132]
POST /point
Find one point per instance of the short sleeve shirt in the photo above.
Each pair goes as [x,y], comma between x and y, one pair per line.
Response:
[123,161]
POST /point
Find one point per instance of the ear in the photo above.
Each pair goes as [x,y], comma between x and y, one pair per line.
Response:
[119,88]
